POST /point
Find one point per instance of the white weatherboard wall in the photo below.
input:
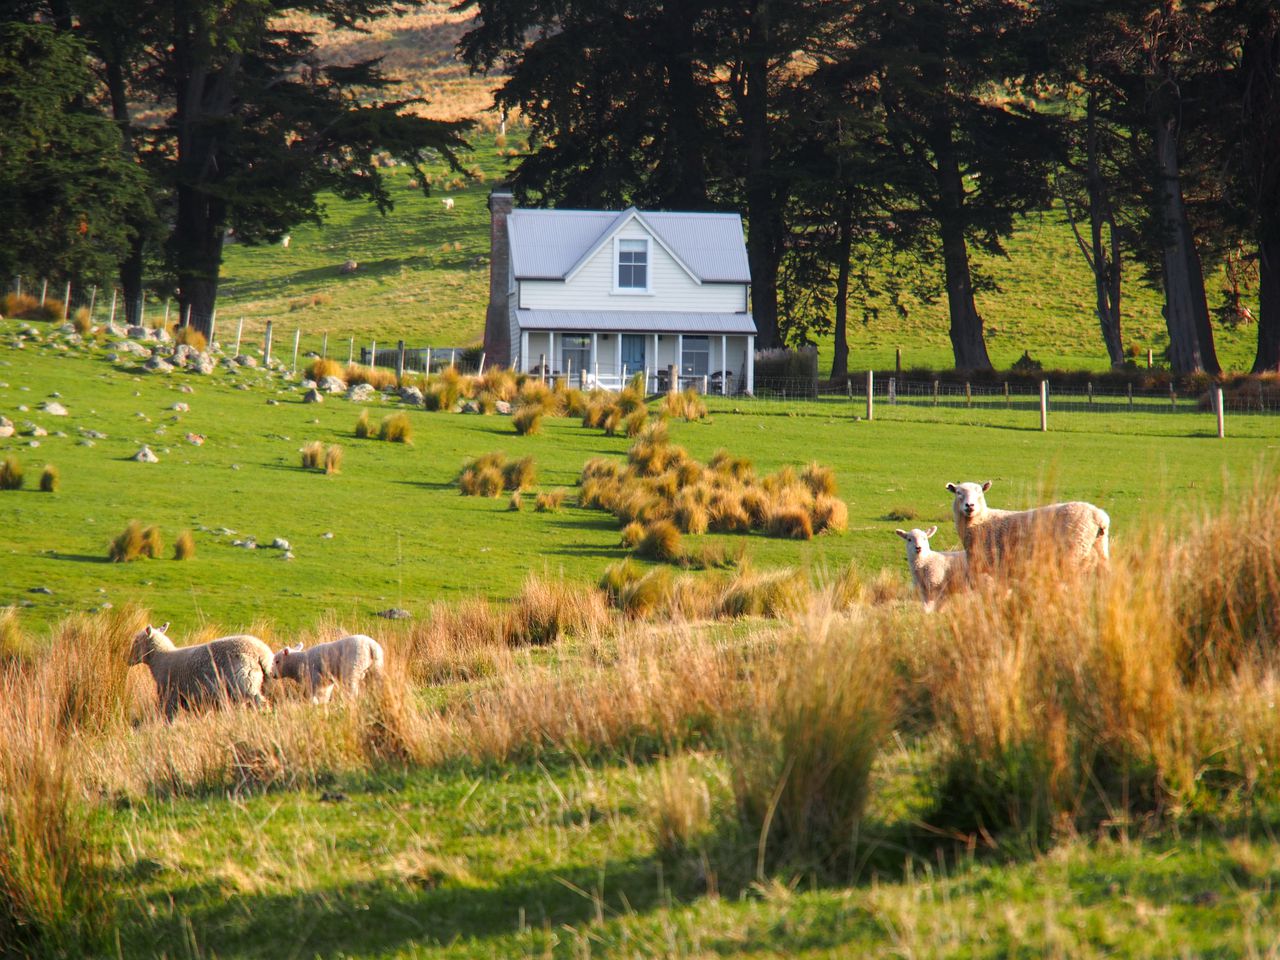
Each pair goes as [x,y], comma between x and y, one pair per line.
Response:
[670,287]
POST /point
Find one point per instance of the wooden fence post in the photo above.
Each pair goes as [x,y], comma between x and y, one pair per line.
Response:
[1148,358]
[1008,403]
[213,330]
[399,360]
[351,351]
[66,302]
[1089,392]
[937,384]
[1044,405]
[297,337]
[480,372]
[44,288]
[166,313]
[673,385]
[113,306]
[1129,390]
[266,345]
[893,390]
[239,333]
[428,361]
[1222,422]
[373,354]
[452,354]
[871,406]
[324,346]
[542,367]
[1173,398]
[968,394]
[93,299]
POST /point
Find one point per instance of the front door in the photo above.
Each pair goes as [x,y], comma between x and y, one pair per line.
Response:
[633,352]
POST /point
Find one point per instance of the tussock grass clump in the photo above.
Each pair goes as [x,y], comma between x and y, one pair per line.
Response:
[520,474]
[377,377]
[49,479]
[190,337]
[551,501]
[725,463]
[322,367]
[635,422]
[680,806]
[688,405]
[82,321]
[128,544]
[11,474]
[790,521]
[444,389]
[527,420]
[820,480]
[396,428]
[363,430]
[184,547]
[333,459]
[152,542]
[830,514]
[515,504]
[500,383]
[661,541]
[632,534]
[489,474]
[546,610]
[772,593]
[313,455]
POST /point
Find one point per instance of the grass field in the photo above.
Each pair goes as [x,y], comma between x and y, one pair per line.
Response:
[434,544]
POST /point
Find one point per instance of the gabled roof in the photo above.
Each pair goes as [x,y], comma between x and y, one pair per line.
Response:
[552,244]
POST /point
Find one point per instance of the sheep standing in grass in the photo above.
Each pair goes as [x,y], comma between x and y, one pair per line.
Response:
[226,670]
[346,661]
[1076,532]
[936,573]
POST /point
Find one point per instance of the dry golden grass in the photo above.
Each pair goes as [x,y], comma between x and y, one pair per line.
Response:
[82,321]
[333,459]
[49,479]
[11,474]
[396,428]
[661,541]
[190,337]
[377,377]
[550,501]
[322,367]
[688,405]
[313,455]
[527,421]
[184,547]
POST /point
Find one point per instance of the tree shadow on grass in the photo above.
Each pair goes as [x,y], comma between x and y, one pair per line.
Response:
[79,557]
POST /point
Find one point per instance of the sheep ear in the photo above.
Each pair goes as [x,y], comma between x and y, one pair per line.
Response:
[931,531]
[149,631]
[951,487]
[165,627]
[903,534]
[296,649]
[986,486]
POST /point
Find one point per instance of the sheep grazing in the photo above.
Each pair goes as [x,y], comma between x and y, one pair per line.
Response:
[447,202]
[226,670]
[346,661]
[1076,532]
[936,573]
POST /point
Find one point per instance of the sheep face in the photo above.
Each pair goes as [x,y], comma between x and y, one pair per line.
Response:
[147,642]
[287,665]
[917,541]
[970,500]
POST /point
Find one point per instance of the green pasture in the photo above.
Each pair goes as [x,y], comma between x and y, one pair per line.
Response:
[424,275]
[402,536]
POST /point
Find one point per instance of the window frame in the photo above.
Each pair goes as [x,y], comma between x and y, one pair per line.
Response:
[686,369]
[617,267]
[579,348]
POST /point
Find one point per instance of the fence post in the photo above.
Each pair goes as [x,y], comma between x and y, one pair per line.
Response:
[187,321]
[1007,401]
[1222,422]
[542,367]
[596,372]
[266,345]
[968,394]
[324,346]
[44,288]
[893,390]
[239,333]
[1044,405]
[351,351]
[622,379]
[672,385]
[704,384]
[1173,398]
[1130,392]
[848,386]
[428,371]
[1148,358]
[166,313]
[93,298]
[66,302]
[1089,392]
[936,387]
[582,378]
[451,357]
[480,372]
[297,336]
[213,329]
[399,360]
[871,407]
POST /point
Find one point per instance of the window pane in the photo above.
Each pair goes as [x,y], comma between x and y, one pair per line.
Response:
[633,261]
[695,358]
[575,354]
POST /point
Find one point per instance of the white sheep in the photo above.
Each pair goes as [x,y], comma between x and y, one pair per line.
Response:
[346,661]
[448,202]
[1077,532]
[226,670]
[936,573]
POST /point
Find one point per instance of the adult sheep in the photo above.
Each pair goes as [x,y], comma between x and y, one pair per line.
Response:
[226,670]
[1078,533]
[346,661]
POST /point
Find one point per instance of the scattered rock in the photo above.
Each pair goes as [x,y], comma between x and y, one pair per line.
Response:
[202,363]
[245,360]
[395,613]
[53,408]
[158,365]
[186,388]
[93,434]
[181,407]
[56,395]
[248,543]
[502,407]
[326,536]
[470,407]
[23,408]
[85,443]
[225,532]
[196,439]
[45,590]
[349,267]
[182,352]
[33,443]
[7,428]
[30,429]
[333,385]
[287,555]
[235,466]
[411,395]
[279,543]
[136,332]
[308,384]
[144,455]
[361,393]
[242,386]
[313,396]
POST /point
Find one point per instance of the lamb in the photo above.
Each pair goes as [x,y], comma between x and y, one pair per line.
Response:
[226,670]
[936,573]
[1077,532]
[347,661]
[448,202]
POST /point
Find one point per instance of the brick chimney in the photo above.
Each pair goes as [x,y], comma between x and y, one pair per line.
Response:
[497,321]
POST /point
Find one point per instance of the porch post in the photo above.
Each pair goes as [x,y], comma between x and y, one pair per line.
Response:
[655,366]
[724,364]
[751,365]
[551,358]
[617,359]
[524,353]
[595,364]
[679,361]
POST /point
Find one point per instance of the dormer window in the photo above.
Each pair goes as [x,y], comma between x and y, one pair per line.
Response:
[633,265]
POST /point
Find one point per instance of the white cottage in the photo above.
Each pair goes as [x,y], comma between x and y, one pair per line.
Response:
[606,295]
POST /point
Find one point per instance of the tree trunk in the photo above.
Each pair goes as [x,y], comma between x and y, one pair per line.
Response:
[688,160]
[844,244]
[967,343]
[764,247]
[1106,253]
[1267,359]
[198,255]
[1186,309]
[131,279]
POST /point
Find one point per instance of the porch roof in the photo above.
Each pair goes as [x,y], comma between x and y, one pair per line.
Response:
[637,321]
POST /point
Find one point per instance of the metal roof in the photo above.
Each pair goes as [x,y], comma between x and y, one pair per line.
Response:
[547,244]
[637,321]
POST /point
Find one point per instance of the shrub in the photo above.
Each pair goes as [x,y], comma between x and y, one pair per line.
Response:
[362,425]
[322,367]
[550,502]
[128,545]
[482,477]
[727,514]
[688,405]
[739,468]
[49,479]
[830,514]
[661,541]
[820,480]
[82,321]
[790,521]
[313,455]
[396,428]
[152,542]
[520,474]
[635,421]
[612,420]
[20,306]
[632,534]
[184,548]
[515,504]
[527,421]
[691,516]
[11,477]
[333,459]
[191,337]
